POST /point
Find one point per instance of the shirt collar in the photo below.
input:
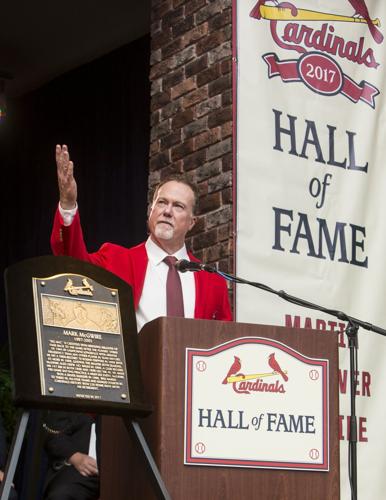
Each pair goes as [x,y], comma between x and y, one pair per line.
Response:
[156,254]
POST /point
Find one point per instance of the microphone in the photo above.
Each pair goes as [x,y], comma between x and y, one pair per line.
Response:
[184,265]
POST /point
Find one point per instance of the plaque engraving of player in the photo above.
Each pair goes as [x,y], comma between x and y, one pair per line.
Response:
[79,335]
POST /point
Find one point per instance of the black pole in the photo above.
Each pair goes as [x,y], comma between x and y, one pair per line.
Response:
[352,335]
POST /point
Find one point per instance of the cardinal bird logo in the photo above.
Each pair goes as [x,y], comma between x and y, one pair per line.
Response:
[276,367]
[361,14]
[235,368]
[362,11]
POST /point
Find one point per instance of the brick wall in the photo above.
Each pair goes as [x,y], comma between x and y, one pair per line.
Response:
[191,113]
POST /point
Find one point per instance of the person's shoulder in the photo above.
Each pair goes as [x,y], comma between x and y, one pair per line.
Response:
[119,249]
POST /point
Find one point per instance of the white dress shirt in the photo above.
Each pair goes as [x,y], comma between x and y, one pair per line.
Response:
[152,303]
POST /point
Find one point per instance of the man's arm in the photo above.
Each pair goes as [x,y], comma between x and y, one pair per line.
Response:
[67,237]
[67,437]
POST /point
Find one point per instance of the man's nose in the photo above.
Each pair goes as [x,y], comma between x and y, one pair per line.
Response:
[168,210]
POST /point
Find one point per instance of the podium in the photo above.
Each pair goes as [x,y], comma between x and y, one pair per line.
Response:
[162,346]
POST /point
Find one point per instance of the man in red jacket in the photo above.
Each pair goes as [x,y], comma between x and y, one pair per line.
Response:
[204,295]
[172,215]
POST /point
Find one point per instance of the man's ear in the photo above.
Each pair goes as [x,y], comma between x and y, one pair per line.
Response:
[192,222]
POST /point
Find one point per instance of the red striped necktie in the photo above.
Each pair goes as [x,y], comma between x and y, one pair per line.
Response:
[174,297]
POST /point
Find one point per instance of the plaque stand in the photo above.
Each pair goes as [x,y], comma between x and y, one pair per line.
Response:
[13,456]
[134,431]
[76,323]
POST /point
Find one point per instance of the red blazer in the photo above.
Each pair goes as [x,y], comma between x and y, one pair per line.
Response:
[212,301]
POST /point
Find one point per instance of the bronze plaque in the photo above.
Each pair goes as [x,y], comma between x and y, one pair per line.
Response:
[79,338]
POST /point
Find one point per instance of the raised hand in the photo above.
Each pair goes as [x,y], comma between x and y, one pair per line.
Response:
[67,184]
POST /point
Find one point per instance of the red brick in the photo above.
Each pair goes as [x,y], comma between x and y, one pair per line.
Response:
[162,38]
[208,75]
[211,41]
[220,20]
[182,118]
[172,47]
[171,109]
[206,138]
[160,160]
[159,100]
[226,66]
[163,128]
[224,232]
[227,97]
[227,196]
[199,64]
[220,116]
[195,127]
[226,130]
[227,162]
[161,68]
[199,226]
[193,5]
[220,85]
[203,188]
[210,10]
[154,147]
[205,171]
[158,10]
[185,55]
[220,182]
[182,150]
[195,160]
[184,87]
[208,106]
[194,97]
[155,118]
[174,168]
[183,26]
[172,17]
[170,140]
[195,34]
[173,78]
[210,202]
[219,149]
[206,239]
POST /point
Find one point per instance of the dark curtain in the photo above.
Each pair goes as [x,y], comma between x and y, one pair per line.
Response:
[101,111]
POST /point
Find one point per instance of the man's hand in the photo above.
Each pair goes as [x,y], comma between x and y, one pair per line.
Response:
[84,464]
[1,476]
[67,185]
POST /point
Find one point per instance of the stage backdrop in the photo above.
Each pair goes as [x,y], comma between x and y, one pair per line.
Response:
[311,188]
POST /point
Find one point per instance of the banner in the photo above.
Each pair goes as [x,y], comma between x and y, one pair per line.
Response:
[311,188]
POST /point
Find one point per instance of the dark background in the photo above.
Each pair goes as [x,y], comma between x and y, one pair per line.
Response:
[101,111]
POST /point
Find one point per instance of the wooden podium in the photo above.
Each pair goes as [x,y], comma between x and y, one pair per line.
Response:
[162,350]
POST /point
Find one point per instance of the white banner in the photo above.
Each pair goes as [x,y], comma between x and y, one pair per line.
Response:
[311,188]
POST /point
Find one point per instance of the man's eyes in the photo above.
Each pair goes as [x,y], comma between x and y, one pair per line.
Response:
[178,206]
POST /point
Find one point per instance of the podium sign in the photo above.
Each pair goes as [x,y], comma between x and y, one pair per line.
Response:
[256,402]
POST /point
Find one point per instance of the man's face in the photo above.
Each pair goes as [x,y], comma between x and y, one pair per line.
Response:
[171,215]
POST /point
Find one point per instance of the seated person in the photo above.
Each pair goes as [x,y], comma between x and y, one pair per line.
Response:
[73,469]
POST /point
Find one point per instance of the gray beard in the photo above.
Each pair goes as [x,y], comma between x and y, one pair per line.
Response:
[164,232]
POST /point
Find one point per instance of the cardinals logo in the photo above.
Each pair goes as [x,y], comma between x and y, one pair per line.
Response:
[241,383]
[318,46]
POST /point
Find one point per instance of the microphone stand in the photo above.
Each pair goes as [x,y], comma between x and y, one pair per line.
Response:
[352,335]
